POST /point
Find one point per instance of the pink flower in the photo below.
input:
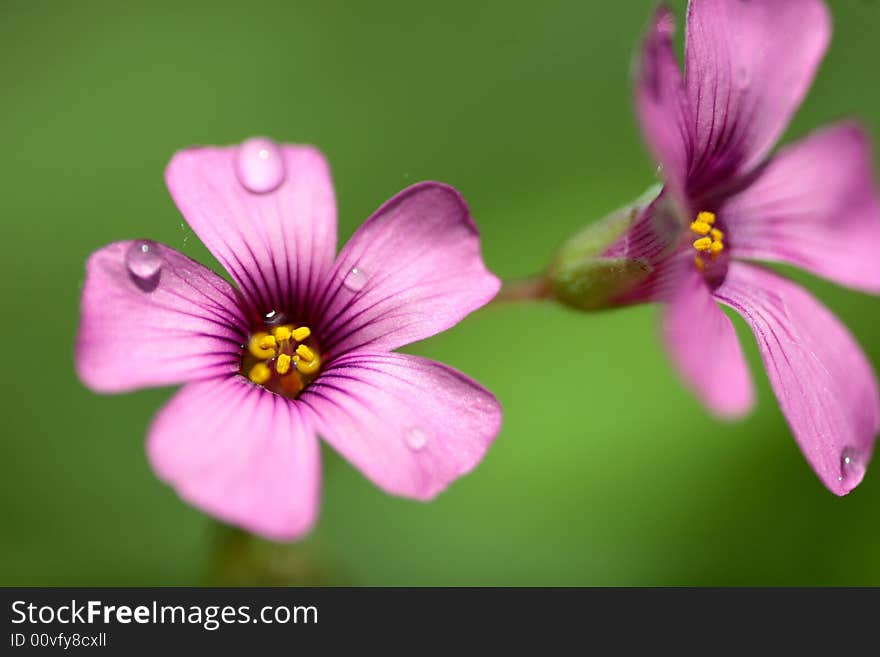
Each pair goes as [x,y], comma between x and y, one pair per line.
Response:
[726,204]
[303,347]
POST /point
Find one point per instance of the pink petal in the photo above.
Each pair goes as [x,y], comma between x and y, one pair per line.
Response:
[241,454]
[411,270]
[704,347]
[154,317]
[748,67]
[662,104]
[276,244]
[815,205]
[825,385]
[409,424]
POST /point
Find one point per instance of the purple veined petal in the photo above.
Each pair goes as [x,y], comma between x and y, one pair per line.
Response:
[276,242]
[705,349]
[662,105]
[411,425]
[748,67]
[825,385]
[412,270]
[241,454]
[815,206]
[150,316]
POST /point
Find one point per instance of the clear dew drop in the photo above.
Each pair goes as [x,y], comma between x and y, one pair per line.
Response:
[416,439]
[259,165]
[851,465]
[144,263]
[355,280]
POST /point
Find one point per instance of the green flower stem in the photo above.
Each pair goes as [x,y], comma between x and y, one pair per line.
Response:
[241,559]
[535,288]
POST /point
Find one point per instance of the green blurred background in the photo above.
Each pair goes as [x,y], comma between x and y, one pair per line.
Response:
[606,471]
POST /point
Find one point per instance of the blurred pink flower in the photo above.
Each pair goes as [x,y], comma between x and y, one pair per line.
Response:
[303,347]
[726,203]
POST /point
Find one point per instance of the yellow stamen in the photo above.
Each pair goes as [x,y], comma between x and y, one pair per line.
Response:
[301,333]
[706,217]
[701,228]
[260,373]
[703,244]
[712,241]
[306,366]
[262,345]
[286,365]
[281,333]
[305,353]
[282,365]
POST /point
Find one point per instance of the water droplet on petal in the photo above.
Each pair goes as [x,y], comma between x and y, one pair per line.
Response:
[355,280]
[416,439]
[852,465]
[144,263]
[259,165]
[273,317]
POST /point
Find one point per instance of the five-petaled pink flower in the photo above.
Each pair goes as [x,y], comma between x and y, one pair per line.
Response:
[726,203]
[303,347]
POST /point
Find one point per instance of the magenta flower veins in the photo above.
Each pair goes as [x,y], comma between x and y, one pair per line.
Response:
[726,204]
[303,347]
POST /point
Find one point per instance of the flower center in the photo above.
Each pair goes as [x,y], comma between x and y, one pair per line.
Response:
[283,359]
[710,241]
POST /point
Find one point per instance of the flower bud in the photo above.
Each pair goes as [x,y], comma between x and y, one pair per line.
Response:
[584,274]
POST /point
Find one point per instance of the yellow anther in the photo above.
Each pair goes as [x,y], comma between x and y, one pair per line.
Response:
[716,247]
[698,261]
[717,234]
[701,228]
[703,244]
[281,333]
[301,333]
[282,365]
[262,345]
[260,373]
[307,366]
[305,353]
[706,217]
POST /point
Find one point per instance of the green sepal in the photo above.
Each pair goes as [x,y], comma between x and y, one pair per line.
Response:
[581,277]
